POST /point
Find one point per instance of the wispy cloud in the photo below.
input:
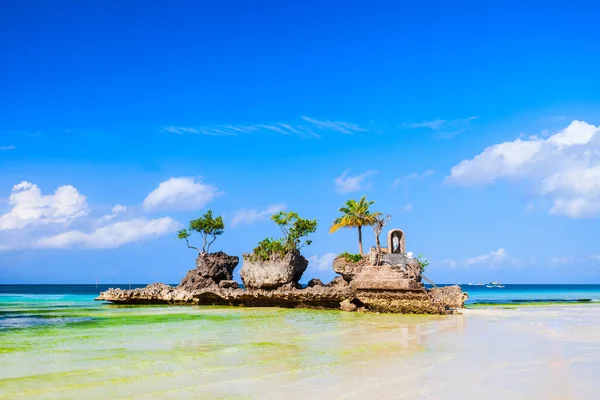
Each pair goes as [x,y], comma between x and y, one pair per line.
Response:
[116,211]
[307,128]
[425,174]
[5,148]
[443,128]
[501,258]
[343,127]
[493,259]
[323,263]
[407,207]
[413,176]
[346,183]
[249,216]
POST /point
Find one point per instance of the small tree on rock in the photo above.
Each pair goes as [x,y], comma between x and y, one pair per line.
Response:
[207,226]
[293,228]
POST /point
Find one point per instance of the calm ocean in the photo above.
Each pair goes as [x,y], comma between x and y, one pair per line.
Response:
[16,296]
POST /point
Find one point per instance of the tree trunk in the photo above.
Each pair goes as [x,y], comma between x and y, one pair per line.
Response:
[360,249]
[377,243]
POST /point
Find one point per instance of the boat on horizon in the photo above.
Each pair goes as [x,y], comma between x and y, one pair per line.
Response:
[495,285]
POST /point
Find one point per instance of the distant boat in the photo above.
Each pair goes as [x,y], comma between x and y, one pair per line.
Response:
[476,284]
[495,285]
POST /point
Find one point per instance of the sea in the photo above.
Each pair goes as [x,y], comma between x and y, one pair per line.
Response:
[56,342]
[23,306]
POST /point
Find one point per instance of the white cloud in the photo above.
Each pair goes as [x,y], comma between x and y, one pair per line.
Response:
[30,207]
[5,148]
[111,236]
[249,216]
[407,207]
[565,167]
[180,194]
[445,129]
[116,210]
[323,263]
[346,184]
[494,258]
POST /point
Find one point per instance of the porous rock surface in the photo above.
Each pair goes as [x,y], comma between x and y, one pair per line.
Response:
[210,270]
[273,273]
[155,293]
[449,296]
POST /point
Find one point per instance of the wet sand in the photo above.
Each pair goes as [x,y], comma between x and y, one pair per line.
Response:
[208,352]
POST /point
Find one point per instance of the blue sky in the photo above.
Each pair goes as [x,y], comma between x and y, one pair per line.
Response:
[458,119]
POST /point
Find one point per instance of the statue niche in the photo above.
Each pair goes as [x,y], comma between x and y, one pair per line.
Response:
[396,242]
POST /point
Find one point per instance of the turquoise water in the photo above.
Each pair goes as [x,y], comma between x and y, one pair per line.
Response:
[519,294]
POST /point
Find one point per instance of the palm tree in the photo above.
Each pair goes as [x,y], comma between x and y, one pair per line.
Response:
[356,214]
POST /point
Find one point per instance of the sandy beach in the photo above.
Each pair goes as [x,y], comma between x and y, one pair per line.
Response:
[550,352]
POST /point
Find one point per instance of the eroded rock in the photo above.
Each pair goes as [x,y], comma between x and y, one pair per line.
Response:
[155,293]
[347,305]
[315,282]
[449,296]
[210,270]
[273,273]
[229,284]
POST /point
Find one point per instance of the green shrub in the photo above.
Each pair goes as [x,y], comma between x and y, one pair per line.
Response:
[353,258]
[268,248]
[293,228]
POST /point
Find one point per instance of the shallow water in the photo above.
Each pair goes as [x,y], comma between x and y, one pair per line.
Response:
[69,347]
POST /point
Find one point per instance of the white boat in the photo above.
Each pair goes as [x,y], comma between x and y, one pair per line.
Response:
[495,285]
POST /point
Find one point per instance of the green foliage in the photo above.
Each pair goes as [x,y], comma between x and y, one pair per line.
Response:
[293,228]
[422,261]
[353,258]
[267,248]
[207,226]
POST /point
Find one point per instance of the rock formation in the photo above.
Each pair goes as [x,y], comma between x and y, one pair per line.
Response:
[155,293]
[273,273]
[210,270]
[378,282]
[449,296]
[348,269]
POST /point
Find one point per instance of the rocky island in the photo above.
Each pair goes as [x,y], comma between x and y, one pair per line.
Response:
[387,279]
